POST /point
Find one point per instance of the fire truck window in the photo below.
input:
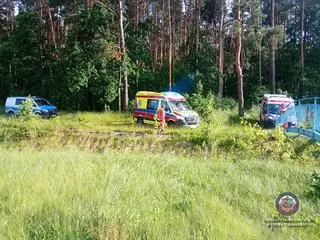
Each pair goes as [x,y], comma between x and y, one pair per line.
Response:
[152,104]
[166,106]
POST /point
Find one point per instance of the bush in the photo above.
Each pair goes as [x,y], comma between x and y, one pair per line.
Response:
[225,103]
[1,110]
[315,186]
[247,140]
[131,106]
[255,95]
[15,130]
[203,106]
[252,141]
[26,109]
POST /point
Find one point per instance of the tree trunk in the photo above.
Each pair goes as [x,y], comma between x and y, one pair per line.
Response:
[123,52]
[238,59]
[154,43]
[221,50]
[272,67]
[119,90]
[10,11]
[260,49]
[302,48]
[53,34]
[260,66]
[162,42]
[197,25]
[170,45]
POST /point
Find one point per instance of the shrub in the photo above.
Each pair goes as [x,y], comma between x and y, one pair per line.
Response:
[131,106]
[315,185]
[15,130]
[203,105]
[1,110]
[255,95]
[249,140]
[26,109]
[225,103]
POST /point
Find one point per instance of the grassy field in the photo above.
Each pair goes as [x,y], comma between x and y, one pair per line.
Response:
[99,176]
[70,194]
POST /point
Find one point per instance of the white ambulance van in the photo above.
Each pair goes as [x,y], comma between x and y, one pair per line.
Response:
[272,106]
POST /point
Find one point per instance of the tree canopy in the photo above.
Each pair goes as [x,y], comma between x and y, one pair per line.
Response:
[82,55]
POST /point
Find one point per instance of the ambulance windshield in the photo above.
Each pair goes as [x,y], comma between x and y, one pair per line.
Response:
[274,108]
[180,106]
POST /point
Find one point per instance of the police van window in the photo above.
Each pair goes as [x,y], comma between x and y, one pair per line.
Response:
[19,101]
[152,104]
[166,106]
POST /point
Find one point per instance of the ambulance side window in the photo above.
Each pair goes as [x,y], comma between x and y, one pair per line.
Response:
[152,104]
[166,106]
[265,108]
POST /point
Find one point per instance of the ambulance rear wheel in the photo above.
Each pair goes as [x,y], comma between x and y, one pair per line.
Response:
[139,120]
[171,124]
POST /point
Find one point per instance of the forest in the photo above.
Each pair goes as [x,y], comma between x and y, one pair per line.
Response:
[95,55]
[92,172]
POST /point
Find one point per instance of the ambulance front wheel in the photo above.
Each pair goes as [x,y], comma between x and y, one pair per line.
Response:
[139,120]
[179,123]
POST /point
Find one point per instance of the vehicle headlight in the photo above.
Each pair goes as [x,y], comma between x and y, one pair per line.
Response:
[45,111]
[181,118]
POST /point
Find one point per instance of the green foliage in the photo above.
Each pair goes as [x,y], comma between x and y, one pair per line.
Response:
[248,140]
[89,68]
[206,104]
[245,138]
[26,109]
[275,36]
[315,186]
[130,107]
[81,70]
[225,103]
[255,94]
[207,71]
[203,105]
[14,130]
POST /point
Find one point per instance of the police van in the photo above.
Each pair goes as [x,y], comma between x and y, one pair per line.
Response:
[40,106]
[178,111]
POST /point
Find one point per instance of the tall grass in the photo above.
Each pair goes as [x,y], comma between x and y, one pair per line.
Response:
[225,135]
[68,194]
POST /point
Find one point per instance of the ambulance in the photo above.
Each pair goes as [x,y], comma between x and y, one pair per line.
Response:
[178,111]
[272,106]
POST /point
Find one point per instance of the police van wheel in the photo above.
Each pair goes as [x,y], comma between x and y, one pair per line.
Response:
[140,121]
[10,114]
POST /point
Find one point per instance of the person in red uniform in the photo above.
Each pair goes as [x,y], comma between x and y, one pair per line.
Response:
[161,113]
